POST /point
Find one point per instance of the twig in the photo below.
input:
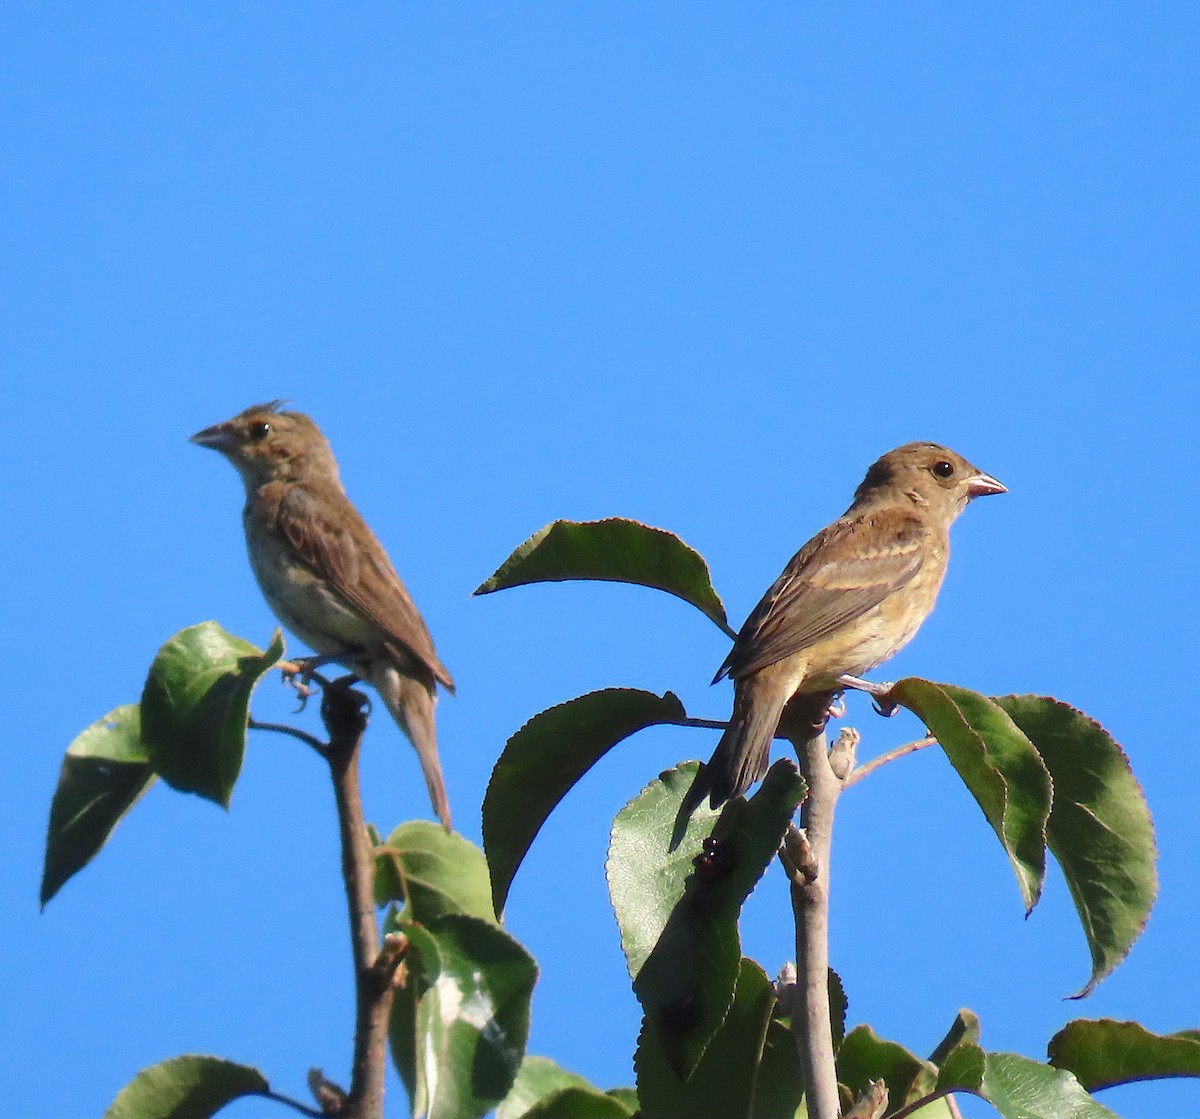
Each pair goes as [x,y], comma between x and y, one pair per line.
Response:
[391,956]
[811,1024]
[861,771]
[342,713]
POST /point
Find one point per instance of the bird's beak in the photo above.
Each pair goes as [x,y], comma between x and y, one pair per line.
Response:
[218,437]
[978,486]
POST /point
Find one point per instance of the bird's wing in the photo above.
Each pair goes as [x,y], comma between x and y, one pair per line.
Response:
[330,545]
[845,570]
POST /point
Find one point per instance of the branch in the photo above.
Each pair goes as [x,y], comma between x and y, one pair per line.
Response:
[807,858]
[859,772]
[345,720]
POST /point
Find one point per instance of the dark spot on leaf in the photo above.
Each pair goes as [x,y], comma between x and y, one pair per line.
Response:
[715,861]
[682,1015]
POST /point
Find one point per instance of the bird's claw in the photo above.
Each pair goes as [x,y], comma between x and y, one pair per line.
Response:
[300,678]
[885,707]
[837,706]
[298,681]
[880,693]
[304,669]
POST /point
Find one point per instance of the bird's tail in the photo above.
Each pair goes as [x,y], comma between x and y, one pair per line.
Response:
[742,755]
[410,702]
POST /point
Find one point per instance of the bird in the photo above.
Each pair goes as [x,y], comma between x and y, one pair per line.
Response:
[326,577]
[852,597]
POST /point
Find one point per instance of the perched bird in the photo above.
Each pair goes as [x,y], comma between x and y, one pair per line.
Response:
[853,596]
[324,574]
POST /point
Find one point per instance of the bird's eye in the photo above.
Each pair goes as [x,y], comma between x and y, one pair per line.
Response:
[943,469]
[258,431]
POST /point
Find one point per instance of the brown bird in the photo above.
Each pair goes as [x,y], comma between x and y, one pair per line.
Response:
[853,596]
[326,577]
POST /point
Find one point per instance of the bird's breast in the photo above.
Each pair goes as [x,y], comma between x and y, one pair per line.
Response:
[873,637]
[301,599]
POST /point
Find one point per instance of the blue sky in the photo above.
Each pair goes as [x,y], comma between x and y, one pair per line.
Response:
[696,264]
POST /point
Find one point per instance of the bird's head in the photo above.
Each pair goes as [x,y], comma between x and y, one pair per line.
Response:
[266,444]
[928,475]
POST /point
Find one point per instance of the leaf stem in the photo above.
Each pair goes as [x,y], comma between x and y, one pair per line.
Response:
[295,1105]
[712,724]
[342,710]
[705,724]
[916,1105]
[295,732]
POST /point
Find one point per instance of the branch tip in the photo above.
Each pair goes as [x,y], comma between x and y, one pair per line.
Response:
[331,1098]
[841,755]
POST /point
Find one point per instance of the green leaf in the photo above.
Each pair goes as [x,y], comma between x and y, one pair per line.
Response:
[1019,1088]
[190,1087]
[460,1021]
[963,1030]
[779,1087]
[1102,1053]
[541,1083]
[864,1057]
[1016,1087]
[626,1097]
[432,872]
[964,1068]
[997,763]
[937,1109]
[578,1103]
[544,759]
[839,1004]
[195,704]
[104,773]
[646,873]
[678,919]
[724,1081]
[616,551]
[1099,831]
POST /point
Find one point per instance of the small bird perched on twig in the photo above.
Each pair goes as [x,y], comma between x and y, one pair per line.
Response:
[852,597]
[326,577]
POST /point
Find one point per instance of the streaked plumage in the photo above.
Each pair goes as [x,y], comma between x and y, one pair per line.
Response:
[852,597]
[325,575]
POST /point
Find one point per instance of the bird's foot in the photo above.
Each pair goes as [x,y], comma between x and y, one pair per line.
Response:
[879,693]
[301,676]
[837,706]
